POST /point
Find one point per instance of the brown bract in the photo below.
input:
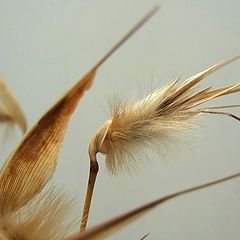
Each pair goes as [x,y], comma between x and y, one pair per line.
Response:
[32,164]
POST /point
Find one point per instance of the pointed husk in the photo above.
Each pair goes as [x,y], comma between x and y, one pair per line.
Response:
[33,163]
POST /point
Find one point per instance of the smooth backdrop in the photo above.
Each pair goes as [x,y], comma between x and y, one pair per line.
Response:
[46,46]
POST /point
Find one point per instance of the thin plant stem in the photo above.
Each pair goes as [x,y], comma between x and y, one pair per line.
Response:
[93,162]
[222,113]
[133,30]
[91,183]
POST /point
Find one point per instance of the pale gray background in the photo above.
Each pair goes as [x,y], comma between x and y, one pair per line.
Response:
[45,46]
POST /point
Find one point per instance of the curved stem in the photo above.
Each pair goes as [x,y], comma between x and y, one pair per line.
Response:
[91,183]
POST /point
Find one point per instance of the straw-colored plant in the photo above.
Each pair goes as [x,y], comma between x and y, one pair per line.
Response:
[31,209]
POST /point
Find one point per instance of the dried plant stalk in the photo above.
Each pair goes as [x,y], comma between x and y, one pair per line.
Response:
[93,162]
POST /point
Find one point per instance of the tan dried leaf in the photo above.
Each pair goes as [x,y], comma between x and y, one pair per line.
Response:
[32,164]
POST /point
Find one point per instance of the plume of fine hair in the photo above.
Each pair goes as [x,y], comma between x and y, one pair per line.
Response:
[156,119]
[49,216]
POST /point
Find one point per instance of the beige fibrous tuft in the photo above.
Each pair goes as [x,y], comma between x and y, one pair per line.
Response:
[49,216]
[156,119]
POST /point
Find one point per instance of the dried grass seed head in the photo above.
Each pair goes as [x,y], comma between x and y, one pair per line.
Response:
[155,120]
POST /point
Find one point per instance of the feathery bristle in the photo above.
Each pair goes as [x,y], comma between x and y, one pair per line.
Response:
[46,217]
[155,120]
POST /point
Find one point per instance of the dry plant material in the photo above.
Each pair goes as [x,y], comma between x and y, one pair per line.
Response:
[93,162]
[151,122]
[10,110]
[25,211]
[32,164]
[29,168]
[29,210]
[155,120]
[105,229]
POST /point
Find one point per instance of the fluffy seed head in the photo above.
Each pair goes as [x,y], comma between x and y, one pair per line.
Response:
[155,120]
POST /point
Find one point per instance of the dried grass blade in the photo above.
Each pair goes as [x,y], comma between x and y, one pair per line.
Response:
[198,77]
[234,90]
[192,81]
[33,162]
[107,228]
[12,111]
[203,97]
